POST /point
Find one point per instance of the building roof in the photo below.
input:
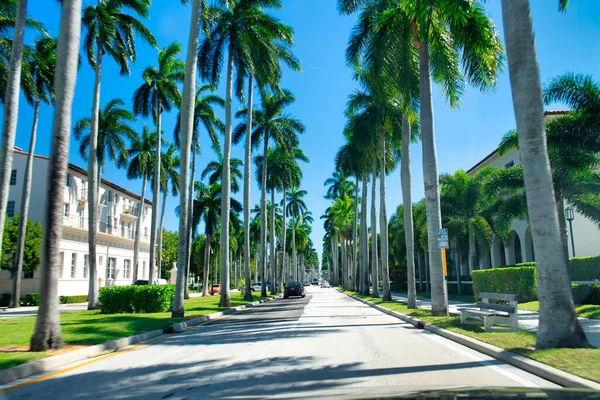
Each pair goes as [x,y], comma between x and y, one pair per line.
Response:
[82,171]
[495,151]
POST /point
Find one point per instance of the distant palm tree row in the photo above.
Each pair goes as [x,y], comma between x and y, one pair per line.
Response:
[239,35]
[396,49]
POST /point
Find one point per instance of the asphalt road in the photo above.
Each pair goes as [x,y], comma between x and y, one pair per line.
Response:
[324,343]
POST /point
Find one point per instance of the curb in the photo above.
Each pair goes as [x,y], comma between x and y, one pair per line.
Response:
[539,369]
[49,363]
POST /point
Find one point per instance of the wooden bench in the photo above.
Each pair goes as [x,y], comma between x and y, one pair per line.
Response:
[492,313]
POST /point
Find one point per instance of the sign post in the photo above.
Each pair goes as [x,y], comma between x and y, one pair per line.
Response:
[443,244]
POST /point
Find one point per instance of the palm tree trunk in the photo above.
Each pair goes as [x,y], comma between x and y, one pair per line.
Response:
[421,277]
[22,233]
[263,219]
[374,256]
[247,174]
[472,250]
[225,300]
[409,235]
[47,333]
[439,298]
[206,267]
[187,123]
[160,236]
[190,219]
[155,200]
[11,110]
[355,237]
[294,255]
[559,326]
[427,274]
[385,273]
[283,252]
[93,186]
[273,251]
[138,229]
[458,269]
[364,241]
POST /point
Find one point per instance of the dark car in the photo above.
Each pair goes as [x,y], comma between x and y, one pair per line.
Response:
[140,282]
[294,289]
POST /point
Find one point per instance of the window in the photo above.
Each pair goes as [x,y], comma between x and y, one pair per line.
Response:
[13,177]
[73,264]
[110,269]
[145,231]
[68,180]
[28,275]
[85,265]
[509,164]
[126,267]
[109,195]
[66,210]
[10,209]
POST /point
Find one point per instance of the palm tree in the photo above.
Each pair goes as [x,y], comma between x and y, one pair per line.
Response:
[186,121]
[159,93]
[141,164]
[110,30]
[205,114]
[559,326]
[240,26]
[41,68]
[295,208]
[47,333]
[214,171]
[270,122]
[112,134]
[169,164]
[13,14]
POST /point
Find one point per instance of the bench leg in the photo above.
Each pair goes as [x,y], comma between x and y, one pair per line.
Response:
[487,323]
[514,322]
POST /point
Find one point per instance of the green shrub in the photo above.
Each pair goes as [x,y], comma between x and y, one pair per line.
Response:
[585,268]
[136,299]
[4,299]
[586,294]
[511,280]
[73,299]
[31,299]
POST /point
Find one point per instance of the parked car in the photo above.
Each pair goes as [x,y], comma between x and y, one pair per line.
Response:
[306,283]
[215,289]
[325,284]
[315,281]
[257,286]
[141,282]
[294,289]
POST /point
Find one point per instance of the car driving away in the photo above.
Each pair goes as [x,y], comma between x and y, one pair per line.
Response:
[324,284]
[294,289]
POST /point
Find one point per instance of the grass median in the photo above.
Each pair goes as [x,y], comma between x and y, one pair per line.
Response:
[581,362]
[85,328]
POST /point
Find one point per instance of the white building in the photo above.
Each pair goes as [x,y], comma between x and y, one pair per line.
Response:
[519,246]
[118,211]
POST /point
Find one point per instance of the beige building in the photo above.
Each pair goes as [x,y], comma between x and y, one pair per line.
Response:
[519,246]
[118,211]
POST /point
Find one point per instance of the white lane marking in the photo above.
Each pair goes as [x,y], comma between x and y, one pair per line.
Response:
[516,378]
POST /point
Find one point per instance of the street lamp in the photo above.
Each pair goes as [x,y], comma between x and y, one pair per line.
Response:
[570,217]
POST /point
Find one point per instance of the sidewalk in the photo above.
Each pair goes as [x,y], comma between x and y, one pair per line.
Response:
[528,320]
[32,311]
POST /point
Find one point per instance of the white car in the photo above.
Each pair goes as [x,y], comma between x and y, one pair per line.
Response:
[257,287]
[325,284]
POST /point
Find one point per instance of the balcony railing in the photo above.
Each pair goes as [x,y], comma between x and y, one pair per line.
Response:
[76,221]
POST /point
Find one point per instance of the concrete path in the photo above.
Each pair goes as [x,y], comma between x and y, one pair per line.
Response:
[32,311]
[528,320]
[295,348]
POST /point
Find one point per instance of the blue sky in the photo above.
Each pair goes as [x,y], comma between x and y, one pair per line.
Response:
[565,42]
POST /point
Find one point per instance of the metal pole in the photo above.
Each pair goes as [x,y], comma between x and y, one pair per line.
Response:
[572,239]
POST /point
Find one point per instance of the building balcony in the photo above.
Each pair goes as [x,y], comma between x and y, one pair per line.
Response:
[129,214]
[80,224]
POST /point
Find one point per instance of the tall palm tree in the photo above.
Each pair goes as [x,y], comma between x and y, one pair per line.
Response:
[240,27]
[13,15]
[559,326]
[294,209]
[169,164]
[111,30]
[214,171]
[186,121]
[141,164]
[204,114]
[159,93]
[41,68]
[47,333]
[270,122]
[112,135]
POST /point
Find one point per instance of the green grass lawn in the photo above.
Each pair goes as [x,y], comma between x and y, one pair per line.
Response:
[591,311]
[81,328]
[581,362]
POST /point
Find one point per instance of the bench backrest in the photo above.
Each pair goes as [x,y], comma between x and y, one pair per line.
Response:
[498,296]
[511,299]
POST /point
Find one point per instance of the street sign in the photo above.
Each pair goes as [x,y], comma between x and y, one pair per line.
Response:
[442,237]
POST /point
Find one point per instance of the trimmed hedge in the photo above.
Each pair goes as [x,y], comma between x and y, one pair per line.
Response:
[586,294]
[511,280]
[73,299]
[31,299]
[136,299]
[585,268]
